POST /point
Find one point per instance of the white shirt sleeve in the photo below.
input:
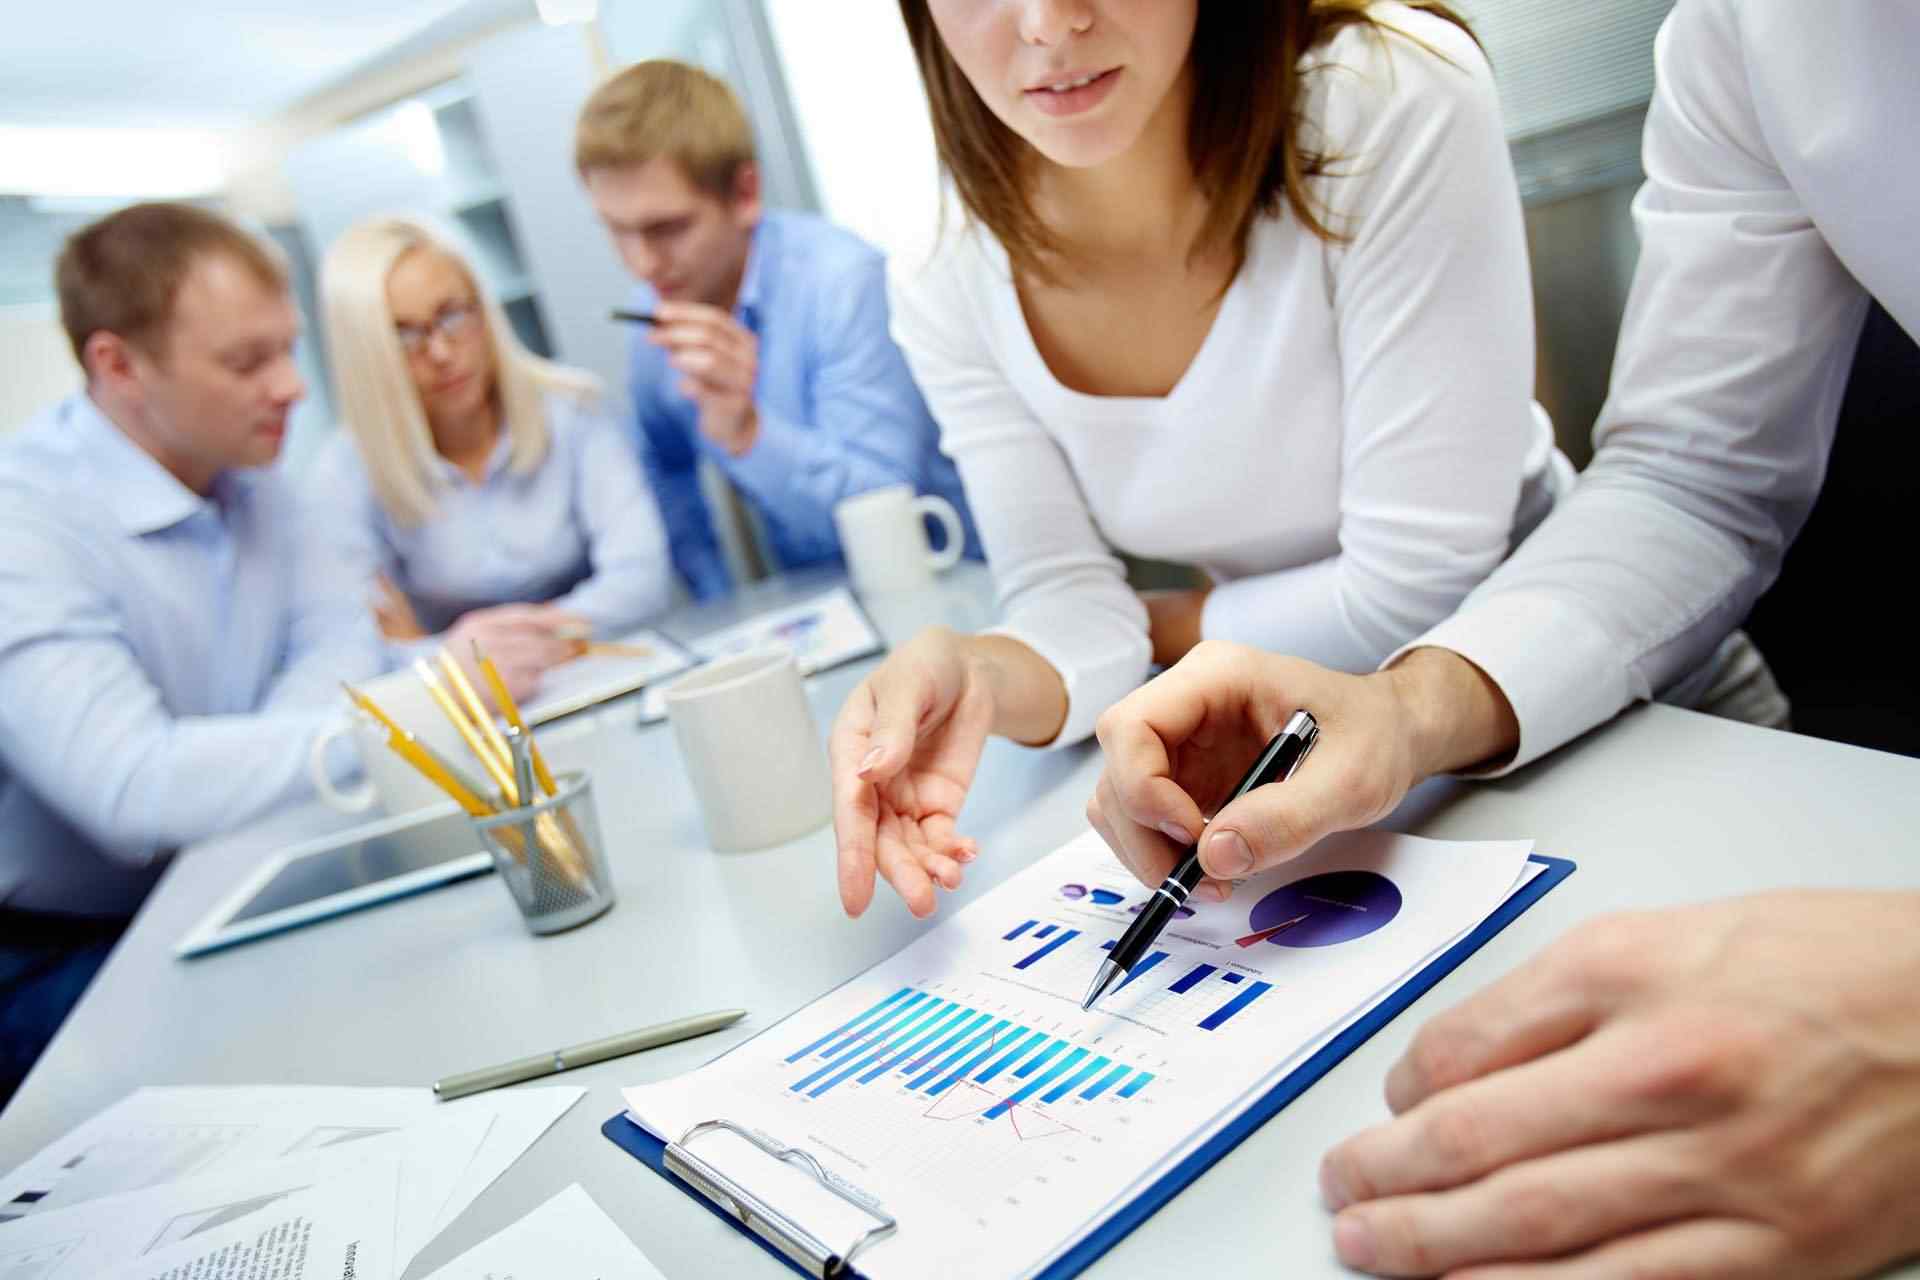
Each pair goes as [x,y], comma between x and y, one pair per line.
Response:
[1434,324]
[1734,353]
[1061,591]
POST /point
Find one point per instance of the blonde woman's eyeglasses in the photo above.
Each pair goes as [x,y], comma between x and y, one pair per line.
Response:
[450,322]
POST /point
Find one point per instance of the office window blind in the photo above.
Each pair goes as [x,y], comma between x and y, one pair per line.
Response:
[1575,77]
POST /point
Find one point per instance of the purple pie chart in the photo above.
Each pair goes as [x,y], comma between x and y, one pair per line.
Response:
[1327,909]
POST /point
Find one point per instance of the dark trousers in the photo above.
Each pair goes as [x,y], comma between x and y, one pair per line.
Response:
[46,963]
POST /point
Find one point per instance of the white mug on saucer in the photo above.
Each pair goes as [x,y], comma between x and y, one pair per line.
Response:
[388,781]
[752,749]
[884,538]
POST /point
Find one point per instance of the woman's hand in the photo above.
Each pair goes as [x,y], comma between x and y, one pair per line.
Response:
[523,640]
[394,612]
[904,748]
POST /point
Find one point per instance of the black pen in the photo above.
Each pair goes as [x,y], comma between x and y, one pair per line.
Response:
[1277,762]
[635,317]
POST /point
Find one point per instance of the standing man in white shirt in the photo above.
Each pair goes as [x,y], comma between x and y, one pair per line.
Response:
[1748,1104]
[170,645]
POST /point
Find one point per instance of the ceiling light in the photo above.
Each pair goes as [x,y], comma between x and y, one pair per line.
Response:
[558,13]
[79,163]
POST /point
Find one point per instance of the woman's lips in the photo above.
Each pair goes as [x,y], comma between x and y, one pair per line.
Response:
[1072,101]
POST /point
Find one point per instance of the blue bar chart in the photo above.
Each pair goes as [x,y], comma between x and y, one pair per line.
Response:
[1249,992]
[1059,940]
[930,1045]
[1192,978]
[1196,980]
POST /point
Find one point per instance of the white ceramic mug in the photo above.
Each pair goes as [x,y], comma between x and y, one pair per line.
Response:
[752,750]
[388,781]
[884,538]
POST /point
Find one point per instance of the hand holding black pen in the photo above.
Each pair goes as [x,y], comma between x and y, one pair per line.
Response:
[1276,762]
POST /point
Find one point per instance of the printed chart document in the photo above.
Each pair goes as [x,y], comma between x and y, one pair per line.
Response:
[567,1238]
[339,1230]
[643,658]
[160,1135]
[960,1085]
[421,1165]
[822,633]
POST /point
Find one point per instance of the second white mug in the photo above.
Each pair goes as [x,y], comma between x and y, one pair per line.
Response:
[884,537]
[388,781]
[752,749]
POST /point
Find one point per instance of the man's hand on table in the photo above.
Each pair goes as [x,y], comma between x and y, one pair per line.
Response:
[1722,1090]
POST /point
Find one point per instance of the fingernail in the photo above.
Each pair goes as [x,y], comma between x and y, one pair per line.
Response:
[1333,1188]
[1353,1241]
[1176,832]
[1228,855]
[872,759]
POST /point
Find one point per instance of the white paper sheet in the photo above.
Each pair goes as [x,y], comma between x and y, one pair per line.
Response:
[961,1085]
[108,1232]
[160,1134]
[567,1238]
[338,1230]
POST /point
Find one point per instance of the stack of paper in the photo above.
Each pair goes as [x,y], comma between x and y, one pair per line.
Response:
[280,1183]
[961,1087]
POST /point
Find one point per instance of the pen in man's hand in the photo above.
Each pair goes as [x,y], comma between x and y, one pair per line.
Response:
[1276,763]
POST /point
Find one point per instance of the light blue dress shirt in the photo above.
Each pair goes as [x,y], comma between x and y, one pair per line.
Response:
[580,529]
[165,660]
[839,412]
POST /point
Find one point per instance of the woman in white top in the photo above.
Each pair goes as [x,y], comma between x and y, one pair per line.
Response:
[482,489]
[1242,285]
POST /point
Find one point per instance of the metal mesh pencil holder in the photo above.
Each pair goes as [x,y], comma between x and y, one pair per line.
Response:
[550,856]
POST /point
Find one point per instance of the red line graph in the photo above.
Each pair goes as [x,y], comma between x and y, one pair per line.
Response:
[966,1100]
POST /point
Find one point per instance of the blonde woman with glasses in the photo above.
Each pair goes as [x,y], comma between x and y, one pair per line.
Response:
[483,491]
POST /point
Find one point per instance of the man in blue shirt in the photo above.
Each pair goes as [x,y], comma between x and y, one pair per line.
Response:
[170,646]
[771,354]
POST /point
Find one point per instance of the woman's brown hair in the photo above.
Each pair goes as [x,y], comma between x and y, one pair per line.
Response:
[1243,132]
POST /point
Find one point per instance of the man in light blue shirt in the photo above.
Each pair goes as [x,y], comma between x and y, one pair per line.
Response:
[771,354]
[169,644]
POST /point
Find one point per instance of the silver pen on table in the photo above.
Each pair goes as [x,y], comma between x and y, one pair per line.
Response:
[581,1055]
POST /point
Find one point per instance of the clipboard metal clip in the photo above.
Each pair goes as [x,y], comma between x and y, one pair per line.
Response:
[795,1242]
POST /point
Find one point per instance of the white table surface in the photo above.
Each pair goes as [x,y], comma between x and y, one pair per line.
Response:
[1661,807]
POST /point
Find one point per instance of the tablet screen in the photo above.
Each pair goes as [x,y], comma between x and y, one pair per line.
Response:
[358,863]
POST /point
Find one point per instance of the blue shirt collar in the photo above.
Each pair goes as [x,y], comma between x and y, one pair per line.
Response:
[760,268]
[497,460]
[143,495]
[763,253]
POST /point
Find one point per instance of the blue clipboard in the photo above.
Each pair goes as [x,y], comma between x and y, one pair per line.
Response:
[651,1151]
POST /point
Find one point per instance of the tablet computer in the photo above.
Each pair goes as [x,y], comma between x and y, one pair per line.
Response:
[344,872]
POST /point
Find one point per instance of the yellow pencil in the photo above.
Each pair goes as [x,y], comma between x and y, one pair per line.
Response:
[617,649]
[504,696]
[457,677]
[468,734]
[560,838]
[408,748]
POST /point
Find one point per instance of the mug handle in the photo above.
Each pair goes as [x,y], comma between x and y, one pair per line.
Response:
[356,800]
[940,509]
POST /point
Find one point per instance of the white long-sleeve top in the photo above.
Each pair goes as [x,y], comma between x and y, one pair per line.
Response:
[1350,449]
[1783,187]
